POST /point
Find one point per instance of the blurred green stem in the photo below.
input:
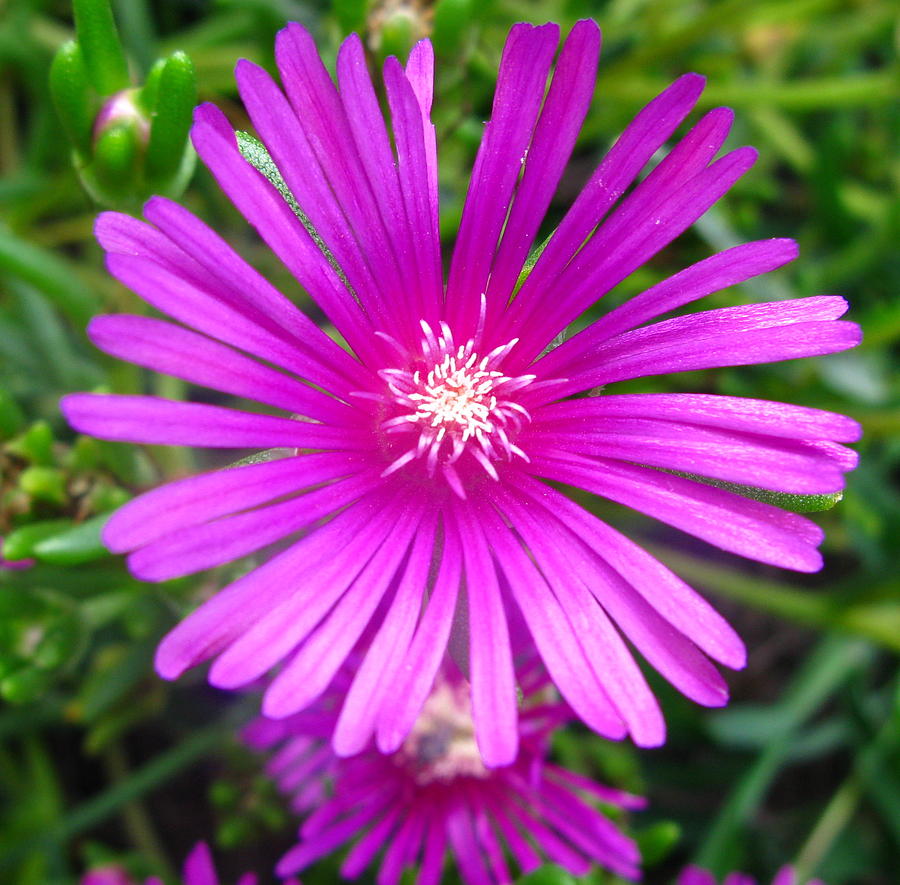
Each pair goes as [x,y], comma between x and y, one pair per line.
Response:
[836,816]
[829,665]
[137,783]
[137,821]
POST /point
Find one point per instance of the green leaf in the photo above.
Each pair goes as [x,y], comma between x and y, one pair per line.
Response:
[657,841]
[452,18]
[12,418]
[49,273]
[59,643]
[25,685]
[829,666]
[350,14]
[20,543]
[548,875]
[784,500]
[104,57]
[44,483]
[75,101]
[175,97]
[530,262]
[34,445]
[255,153]
[76,545]
[97,809]
[397,34]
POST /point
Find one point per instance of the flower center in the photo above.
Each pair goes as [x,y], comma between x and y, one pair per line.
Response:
[453,402]
[441,745]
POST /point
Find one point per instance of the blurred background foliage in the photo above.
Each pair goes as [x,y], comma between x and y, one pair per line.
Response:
[101,761]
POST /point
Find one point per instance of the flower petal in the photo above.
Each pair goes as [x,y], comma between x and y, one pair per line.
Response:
[150,419]
[740,525]
[728,412]
[265,208]
[210,544]
[235,608]
[308,673]
[713,274]
[198,499]
[370,685]
[519,94]
[414,679]
[562,114]
[172,350]
[680,605]
[492,679]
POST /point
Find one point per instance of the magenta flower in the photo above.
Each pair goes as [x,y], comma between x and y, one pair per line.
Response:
[696,876]
[199,869]
[413,489]
[434,794]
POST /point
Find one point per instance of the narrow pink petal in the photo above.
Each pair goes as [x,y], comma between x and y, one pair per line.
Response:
[321,164]
[786,876]
[172,350]
[264,207]
[691,155]
[327,841]
[493,681]
[367,126]
[666,649]
[666,592]
[199,868]
[149,419]
[730,336]
[695,876]
[556,849]
[646,133]
[176,294]
[614,671]
[228,614]
[435,848]
[203,546]
[557,640]
[245,284]
[562,114]
[727,412]
[764,462]
[466,850]
[402,850]
[588,830]
[520,848]
[312,668]
[364,851]
[414,679]
[315,587]
[740,525]
[373,679]
[713,274]
[518,96]
[420,73]
[299,158]
[605,794]
[196,499]
[412,167]
[598,268]
[487,837]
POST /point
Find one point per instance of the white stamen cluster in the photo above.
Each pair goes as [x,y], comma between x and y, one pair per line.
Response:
[456,402]
[441,745]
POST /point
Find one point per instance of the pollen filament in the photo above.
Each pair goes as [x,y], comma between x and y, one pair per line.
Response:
[455,402]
